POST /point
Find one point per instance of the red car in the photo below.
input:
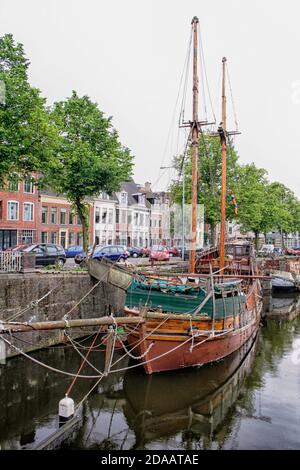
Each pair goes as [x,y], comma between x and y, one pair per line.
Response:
[293,251]
[159,253]
[173,251]
[145,252]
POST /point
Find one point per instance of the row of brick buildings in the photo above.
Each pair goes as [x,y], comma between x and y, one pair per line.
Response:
[135,216]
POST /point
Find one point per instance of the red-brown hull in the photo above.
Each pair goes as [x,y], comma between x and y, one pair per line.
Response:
[159,358]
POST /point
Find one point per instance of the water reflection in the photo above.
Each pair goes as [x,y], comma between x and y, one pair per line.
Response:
[194,402]
[249,400]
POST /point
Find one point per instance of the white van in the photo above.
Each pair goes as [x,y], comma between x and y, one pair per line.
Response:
[266,250]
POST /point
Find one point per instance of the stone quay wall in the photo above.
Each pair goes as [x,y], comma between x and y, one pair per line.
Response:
[23,297]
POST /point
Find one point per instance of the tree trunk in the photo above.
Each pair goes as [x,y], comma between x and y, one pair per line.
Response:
[256,240]
[213,234]
[282,240]
[83,212]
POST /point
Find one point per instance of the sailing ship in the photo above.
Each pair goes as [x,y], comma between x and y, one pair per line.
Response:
[196,318]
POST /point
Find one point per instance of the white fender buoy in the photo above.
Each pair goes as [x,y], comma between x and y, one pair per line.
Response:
[66,409]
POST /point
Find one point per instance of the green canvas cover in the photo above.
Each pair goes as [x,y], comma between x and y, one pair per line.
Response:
[178,302]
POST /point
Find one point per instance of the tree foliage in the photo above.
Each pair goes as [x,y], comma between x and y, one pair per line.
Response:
[209,179]
[91,157]
[262,206]
[27,138]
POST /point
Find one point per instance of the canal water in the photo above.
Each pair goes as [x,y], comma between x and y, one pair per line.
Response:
[251,400]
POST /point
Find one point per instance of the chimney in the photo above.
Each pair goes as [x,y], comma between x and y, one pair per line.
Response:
[147,186]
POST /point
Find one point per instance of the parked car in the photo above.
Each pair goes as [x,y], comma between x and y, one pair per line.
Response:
[292,251]
[266,250]
[174,251]
[112,252]
[134,251]
[146,251]
[159,253]
[74,250]
[46,253]
[187,253]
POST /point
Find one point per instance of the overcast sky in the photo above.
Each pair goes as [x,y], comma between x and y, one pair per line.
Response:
[128,56]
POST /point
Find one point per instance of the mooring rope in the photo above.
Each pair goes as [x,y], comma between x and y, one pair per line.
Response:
[53,369]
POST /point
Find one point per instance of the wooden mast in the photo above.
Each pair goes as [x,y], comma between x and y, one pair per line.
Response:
[195,143]
[222,131]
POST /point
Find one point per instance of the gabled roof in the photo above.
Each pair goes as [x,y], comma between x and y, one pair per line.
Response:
[132,189]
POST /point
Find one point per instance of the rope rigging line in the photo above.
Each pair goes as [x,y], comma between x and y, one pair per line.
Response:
[81,355]
[82,364]
[186,67]
[201,63]
[232,100]
[139,342]
[53,369]
[32,304]
[201,50]
[178,96]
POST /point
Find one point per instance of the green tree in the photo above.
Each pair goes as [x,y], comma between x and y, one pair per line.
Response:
[284,208]
[209,180]
[27,138]
[252,200]
[90,155]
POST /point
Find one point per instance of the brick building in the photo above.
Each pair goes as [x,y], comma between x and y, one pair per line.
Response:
[19,213]
[58,223]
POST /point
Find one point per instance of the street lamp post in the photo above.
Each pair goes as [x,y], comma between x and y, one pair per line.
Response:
[183,204]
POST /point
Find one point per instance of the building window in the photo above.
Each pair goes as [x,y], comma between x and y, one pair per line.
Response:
[104,196]
[110,216]
[141,220]
[44,237]
[28,211]
[71,217]
[123,217]
[28,185]
[53,237]
[12,210]
[44,215]
[123,238]
[123,198]
[104,215]
[142,199]
[53,215]
[117,216]
[109,240]
[63,236]
[27,237]
[13,185]
[97,215]
[79,239]
[71,238]
[63,216]
[136,218]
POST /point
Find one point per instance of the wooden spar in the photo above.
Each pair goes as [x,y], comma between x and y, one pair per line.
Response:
[224,165]
[195,140]
[63,324]
[223,276]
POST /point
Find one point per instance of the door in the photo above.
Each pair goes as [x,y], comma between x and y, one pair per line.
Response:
[114,253]
[63,238]
[52,254]
[40,255]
